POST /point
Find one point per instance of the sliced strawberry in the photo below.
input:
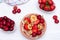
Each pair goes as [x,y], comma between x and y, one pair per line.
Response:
[37,22]
[39,32]
[28,20]
[26,26]
[34,29]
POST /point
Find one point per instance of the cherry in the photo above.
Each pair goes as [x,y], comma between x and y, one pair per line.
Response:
[56,21]
[8,24]
[34,34]
[11,29]
[39,32]
[18,10]
[14,11]
[1,18]
[5,17]
[4,22]
[5,28]
[39,17]
[55,17]
[1,26]
[42,20]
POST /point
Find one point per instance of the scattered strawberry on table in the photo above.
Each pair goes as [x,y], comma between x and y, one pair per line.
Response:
[46,5]
[6,24]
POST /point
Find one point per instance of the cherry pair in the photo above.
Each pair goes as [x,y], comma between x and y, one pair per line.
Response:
[16,10]
[46,5]
[55,19]
[6,24]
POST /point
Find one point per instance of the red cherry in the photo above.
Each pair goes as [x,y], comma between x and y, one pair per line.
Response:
[34,34]
[5,17]
[46,8]
[1,26]
[39,17]
[11,29]
[1,18]
[26,26]
[5,28]
[8,24]
[14,11]
[18,10]
[12,22]
[55,17]
[52,7]
[39,32]
[4,22]
[50,2]
[41,6]
[42,20]
[56,21]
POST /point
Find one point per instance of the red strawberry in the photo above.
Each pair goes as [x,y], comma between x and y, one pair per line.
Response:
[50,2]
[26,26]
[52,7]
[46,8]
[55,17]
[43,1]
[56,21]
[28,20]
[37,22]
[34,29]
[41,6]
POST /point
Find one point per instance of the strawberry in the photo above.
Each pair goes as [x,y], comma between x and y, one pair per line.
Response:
[37,22]
[52,7]
[34,29]
[46,8]
[28,20]
[26,26]
[41,6]
[34,34]
[50,2]
[43,1]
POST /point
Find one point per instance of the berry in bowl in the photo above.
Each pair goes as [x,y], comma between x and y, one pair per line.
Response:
[33,26]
